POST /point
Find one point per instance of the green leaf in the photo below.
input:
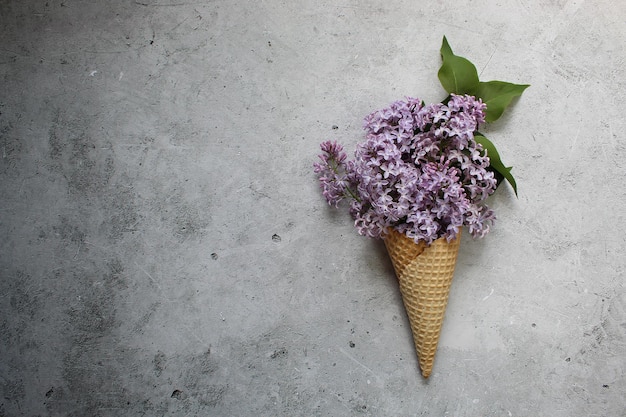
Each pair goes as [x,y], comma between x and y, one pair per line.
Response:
[457,75]
[495,161]
[446,51]
[497,95]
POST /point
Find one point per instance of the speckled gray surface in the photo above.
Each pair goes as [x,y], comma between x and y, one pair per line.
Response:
[166,250]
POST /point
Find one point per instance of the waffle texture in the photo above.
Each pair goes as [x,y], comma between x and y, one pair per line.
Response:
[425,273]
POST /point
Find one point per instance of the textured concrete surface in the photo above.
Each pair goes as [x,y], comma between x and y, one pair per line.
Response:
[165,249]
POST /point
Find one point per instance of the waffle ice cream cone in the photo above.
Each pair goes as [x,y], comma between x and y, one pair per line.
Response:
[425,273]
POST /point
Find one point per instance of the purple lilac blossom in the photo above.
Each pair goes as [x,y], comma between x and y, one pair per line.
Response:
[419,170]
[332,172]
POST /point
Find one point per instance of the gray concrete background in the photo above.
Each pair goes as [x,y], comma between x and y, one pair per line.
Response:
[166,251]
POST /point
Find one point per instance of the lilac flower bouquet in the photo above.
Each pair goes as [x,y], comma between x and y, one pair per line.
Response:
[424,170]
[419,171]
[422,173]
